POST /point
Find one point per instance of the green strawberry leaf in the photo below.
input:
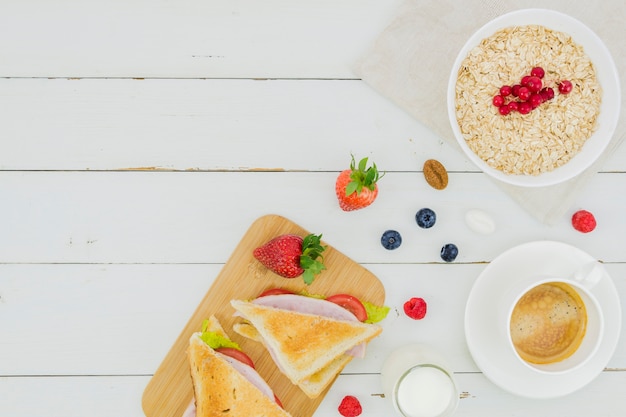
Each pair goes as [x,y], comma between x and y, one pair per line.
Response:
[308,277]
[353,187]
[312,260]
[363,164]
[362,176]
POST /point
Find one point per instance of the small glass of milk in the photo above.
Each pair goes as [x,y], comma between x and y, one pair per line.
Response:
[418,382]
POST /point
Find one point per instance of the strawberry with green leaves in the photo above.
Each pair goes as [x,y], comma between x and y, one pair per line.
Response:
[356,187]
[291,255]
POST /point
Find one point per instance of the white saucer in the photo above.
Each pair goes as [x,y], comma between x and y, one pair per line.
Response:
[487,343]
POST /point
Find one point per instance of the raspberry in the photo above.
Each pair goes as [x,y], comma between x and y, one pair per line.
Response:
[350,406]
[415,308]
[583,221]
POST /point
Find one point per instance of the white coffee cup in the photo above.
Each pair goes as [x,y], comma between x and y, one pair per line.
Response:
[584,346]
[419,383]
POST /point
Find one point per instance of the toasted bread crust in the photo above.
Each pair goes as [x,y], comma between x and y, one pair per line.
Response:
[313,385]
[304,343]
[220,390]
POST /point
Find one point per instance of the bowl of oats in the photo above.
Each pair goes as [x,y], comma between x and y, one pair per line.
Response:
[534,98]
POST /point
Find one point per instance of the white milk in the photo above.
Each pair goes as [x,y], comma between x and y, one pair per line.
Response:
[425,391]
[416,380]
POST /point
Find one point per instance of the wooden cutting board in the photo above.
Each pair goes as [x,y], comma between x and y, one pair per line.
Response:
[169,391]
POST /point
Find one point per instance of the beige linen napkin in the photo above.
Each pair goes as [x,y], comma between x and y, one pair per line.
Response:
[409,63]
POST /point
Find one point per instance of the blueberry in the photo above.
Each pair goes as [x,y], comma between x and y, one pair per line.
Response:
[449,252]
[391,239]
[425,218]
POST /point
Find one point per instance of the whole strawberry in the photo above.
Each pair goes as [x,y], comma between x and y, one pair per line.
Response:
[356,187]
[291,256]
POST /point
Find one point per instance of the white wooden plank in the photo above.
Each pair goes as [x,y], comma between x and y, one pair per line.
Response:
[113,124]
[480,397]
[166,217]
[208,125]
[123,319]
[192,38]
[121,396]
[72,396]
[95,319]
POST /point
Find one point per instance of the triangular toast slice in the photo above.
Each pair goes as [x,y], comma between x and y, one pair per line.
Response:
[313,385]
[303,344]
[219,388]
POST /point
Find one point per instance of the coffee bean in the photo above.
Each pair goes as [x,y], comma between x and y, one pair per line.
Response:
[435,174]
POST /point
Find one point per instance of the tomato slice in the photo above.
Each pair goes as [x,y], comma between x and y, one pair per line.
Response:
[236,354]
[278,401]
[350,303]
[275,291]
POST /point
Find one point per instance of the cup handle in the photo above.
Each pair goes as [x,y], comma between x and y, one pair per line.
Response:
[590,274]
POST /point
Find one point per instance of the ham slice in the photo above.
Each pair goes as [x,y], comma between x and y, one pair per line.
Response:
[306,305]
[251,375]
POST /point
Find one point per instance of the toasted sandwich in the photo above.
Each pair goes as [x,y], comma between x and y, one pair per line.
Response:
[313,385]
[310,339]
[225,382]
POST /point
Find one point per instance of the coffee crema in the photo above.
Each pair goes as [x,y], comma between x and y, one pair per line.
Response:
[548,323]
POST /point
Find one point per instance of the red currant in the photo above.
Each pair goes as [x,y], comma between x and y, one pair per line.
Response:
[537,72]
[534,84]
[547,93]
[524,81]
[504,109]
[524,93]
[530,93]
[535,100]
[565,87]
[524,107]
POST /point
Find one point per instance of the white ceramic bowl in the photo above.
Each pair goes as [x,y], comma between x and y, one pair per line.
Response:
[606,73]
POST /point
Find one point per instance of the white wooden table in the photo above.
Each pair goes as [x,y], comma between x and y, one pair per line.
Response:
[140,139]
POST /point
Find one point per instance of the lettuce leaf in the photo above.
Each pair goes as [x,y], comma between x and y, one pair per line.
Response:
[374,312]
[311,295]
[215,340]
